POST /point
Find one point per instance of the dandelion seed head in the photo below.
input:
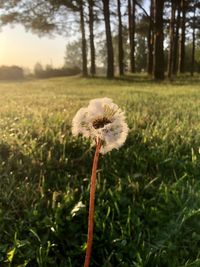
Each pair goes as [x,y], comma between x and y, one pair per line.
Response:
[103,120]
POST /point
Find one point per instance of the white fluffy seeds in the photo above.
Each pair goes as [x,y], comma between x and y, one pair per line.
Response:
[104,120]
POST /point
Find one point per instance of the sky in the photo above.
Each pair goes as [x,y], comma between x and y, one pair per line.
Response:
[22,48]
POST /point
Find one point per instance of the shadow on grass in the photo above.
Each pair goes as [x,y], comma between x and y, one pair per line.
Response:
[185,79]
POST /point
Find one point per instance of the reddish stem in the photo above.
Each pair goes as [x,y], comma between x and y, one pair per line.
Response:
[91,206]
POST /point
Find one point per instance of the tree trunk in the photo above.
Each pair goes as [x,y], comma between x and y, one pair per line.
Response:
[131,19]
[150,41]
[158,68]
[91,30]
[193,42]
[120,41]
[84,46]
[110,54]
[182,41]
[176,40]
[171,37]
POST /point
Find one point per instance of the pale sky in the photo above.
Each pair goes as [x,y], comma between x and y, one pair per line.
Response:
[18,47]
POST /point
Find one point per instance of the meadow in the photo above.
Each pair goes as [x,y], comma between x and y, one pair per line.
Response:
[147,208]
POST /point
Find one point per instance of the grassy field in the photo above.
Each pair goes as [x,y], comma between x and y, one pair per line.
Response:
[148,193]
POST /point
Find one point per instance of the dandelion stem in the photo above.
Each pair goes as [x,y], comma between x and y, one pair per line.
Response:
[91,206]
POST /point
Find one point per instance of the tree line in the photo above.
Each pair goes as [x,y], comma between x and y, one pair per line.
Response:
[166,32]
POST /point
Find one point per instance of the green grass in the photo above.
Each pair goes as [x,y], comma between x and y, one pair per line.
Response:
[147,199]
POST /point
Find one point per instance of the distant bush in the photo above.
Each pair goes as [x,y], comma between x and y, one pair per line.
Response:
[51,72]
[11,73]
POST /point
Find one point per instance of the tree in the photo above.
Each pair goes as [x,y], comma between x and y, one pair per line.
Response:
[150,40]
[38,69]
[195,22]
[176,39]
[11,73]
[171,40]
[131,22]
[120,40]
[110,54]
[84,44]
[91,31]
[182,40]
[197,50]
[141,53]
[158,64]
[73,55]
